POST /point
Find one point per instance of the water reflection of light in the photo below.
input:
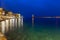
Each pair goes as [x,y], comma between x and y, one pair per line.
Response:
[7,25]
[12,20]
[3,26]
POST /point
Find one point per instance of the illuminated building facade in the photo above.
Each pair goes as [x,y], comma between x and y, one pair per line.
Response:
[9,21]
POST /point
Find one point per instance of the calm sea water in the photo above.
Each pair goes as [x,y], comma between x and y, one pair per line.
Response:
[43,29]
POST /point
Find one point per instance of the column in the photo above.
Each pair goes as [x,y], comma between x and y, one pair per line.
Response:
[22,21]
[3,26]
[19,21]
[0,26]
[7,25]
[12,20]
[10,24]
[16,23]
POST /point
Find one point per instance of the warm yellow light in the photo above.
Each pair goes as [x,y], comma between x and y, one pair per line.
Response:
[0,13]
[2,36]
[1,9]
[10,13]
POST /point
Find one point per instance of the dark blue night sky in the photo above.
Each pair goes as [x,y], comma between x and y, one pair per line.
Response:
[36,7]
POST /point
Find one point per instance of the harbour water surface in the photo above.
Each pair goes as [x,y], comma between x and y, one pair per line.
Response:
[43,29]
